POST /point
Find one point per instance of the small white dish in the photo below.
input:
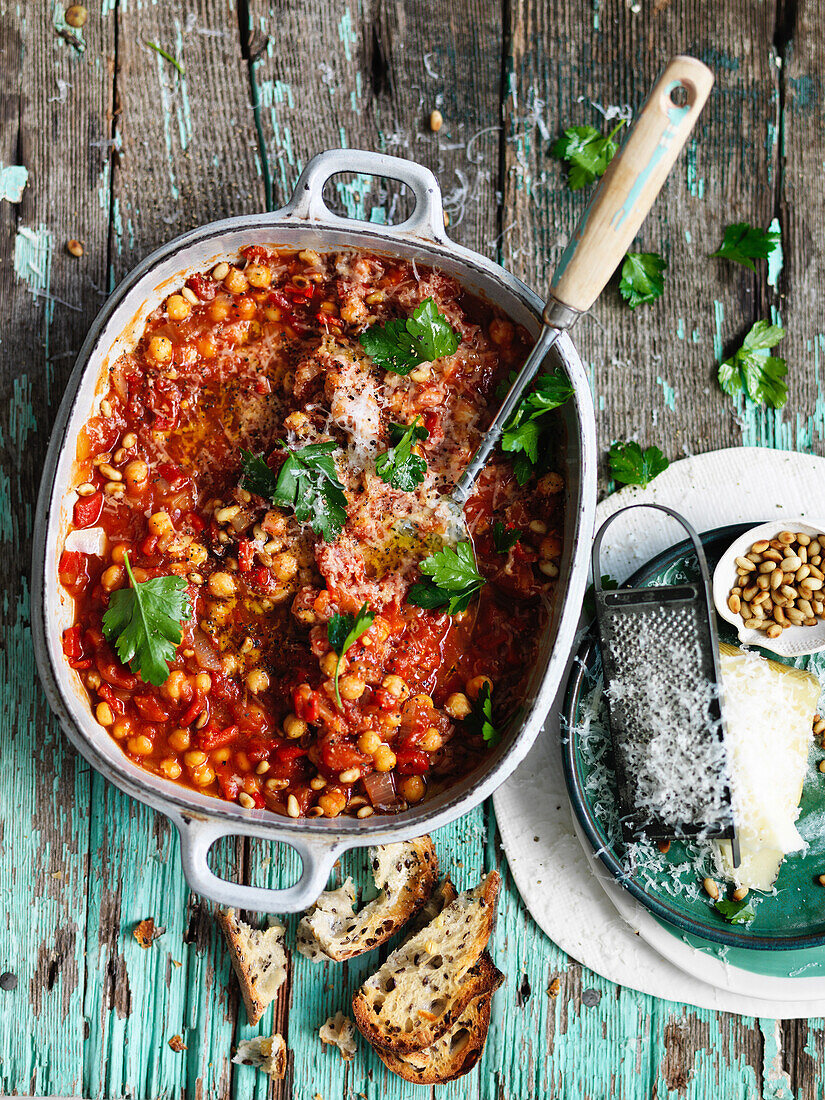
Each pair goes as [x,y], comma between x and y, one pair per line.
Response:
[795,641]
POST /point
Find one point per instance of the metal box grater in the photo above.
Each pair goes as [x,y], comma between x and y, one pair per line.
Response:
[662,687]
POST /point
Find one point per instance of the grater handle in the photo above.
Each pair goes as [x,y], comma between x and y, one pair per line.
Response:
[595,556]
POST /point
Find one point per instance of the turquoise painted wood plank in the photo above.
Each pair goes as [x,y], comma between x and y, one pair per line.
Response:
[48,301]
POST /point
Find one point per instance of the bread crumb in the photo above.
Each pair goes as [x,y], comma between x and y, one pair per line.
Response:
[145,932]
[267,1054]
[340,1031]
[177,1044]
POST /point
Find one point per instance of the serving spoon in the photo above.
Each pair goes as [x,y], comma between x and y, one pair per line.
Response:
[619,205]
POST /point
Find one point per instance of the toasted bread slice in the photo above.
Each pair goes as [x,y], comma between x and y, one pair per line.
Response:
[459,1049]
[266,1054]
[405,874]
[339,1030]
[441,897]
[422,989]
[259,960]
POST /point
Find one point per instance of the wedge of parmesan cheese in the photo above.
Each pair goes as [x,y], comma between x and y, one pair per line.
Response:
[769,711]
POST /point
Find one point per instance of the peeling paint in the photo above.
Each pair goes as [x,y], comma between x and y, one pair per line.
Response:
[13,180]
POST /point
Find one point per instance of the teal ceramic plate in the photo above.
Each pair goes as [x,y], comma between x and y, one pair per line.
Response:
[791,919]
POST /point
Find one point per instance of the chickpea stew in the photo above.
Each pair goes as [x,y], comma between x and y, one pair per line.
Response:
[271,614]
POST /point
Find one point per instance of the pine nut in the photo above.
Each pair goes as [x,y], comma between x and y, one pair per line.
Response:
[788,592]
[765,567]
[351,775]
[774,630]
[796,617]
[711,889]
[743,563]
[814,583]
[790,564]
[761,546]
[753,624]
[802,572]
[740,893]
[819,726]
[735,604]
[787,537]
[777,578]
[292,807]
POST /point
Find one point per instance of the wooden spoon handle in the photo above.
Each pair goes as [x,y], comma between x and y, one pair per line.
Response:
[629,188]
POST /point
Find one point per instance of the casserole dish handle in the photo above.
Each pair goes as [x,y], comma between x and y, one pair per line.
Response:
[426,222]
[317,857]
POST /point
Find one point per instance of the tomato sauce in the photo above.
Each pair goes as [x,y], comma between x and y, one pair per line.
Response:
[263,355]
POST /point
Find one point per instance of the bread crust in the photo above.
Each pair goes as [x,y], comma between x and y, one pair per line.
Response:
[368,1001]
[445,1060]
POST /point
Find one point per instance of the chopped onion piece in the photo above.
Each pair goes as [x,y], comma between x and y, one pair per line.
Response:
[380,788]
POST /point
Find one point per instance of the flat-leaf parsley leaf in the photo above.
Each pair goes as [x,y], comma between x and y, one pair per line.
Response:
[402,345]
[398,466]
[480,718]
[735,912]
[525,435]
[642,278]
[633,466]
[145,623]
[344,631]
[745,243]
[452,578]
[307,483]
[754,370]
[505,538]
[586,152]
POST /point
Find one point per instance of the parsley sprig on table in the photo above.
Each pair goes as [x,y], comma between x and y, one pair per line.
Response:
[307,483]
[745,243]
[735,912]
[480,719]
[402,345]
[609,584]
[145,623]
[633,466]
[398,466]
[343,631]
[586,152]
[642,278]
[526,433]
[505,538]
[754,371]
[451,578]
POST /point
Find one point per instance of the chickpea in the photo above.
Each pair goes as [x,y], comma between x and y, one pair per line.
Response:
[119,551]
[332,802]
[351,687]
[112,577]
[121,729]
[551,483]
[354,311]
[395,686]
[474,686]
[207,348]
[501,332]
[220,756]
[550,547]
[171,768]
[136,473]
[194,758]
[383,759]
[458,705]
[222,585]
[218,310]
[140,745]
[242,761]
[160,523]
[432,740]
[424,700]
[329,661]
[296,421]
[284,566]
[177,307]
[160,349]
[93,680]
[203,683]
[176,686]
[235,281]
[294,727]
[258,275]
[203,776]
[246,308]
[103,713]
[369,742]
[180,740]
[257,681]
[412,788]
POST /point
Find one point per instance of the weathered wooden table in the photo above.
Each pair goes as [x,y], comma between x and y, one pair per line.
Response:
[123,151]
